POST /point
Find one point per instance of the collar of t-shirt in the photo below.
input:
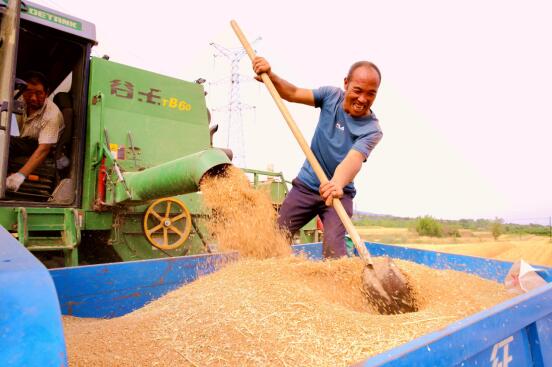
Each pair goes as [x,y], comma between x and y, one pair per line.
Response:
[37,112]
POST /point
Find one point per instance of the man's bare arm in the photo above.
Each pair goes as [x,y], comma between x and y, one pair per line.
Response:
[36,159]
[344,173]
[347,170]
[287,91]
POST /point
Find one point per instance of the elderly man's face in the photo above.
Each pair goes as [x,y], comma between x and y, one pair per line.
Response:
[360,91]
[34,96]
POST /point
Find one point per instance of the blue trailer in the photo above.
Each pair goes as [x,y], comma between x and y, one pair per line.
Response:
[514,333]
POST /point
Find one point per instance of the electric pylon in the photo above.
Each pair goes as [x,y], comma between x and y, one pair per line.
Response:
[235,107]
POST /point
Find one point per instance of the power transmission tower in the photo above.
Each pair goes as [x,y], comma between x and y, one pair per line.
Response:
[235,138]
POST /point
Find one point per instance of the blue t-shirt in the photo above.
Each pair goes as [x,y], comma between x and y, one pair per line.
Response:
[336,134]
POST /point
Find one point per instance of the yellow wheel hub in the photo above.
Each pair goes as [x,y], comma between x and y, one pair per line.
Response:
[167,223]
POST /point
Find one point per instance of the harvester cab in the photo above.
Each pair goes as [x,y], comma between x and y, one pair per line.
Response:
[125,171]
[58,47]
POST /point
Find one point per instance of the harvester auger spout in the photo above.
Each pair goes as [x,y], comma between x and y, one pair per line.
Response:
[177,177]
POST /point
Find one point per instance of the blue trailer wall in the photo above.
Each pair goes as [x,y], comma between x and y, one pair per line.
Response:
[111,290]
[31,332]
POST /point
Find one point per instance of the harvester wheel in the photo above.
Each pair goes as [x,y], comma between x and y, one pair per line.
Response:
[167,223]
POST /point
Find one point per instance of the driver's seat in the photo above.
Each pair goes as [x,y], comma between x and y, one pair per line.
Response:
[63,147]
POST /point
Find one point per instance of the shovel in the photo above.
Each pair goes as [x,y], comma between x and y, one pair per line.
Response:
[383,283]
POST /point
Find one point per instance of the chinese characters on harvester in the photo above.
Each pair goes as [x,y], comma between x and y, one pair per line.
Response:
[124,89]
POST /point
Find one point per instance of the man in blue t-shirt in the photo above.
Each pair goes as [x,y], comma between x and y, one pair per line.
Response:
[346,133]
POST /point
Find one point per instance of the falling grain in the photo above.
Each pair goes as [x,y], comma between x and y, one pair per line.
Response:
[243,218]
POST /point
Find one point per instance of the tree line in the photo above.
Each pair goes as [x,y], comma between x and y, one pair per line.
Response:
[430,226]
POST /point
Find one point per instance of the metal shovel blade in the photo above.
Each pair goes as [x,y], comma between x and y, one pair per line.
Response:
[387,288]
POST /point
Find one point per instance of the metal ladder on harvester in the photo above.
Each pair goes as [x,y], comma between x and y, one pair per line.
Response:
[50,229]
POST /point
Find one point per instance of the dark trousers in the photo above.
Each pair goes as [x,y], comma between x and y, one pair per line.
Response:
[302,204]
[22,146]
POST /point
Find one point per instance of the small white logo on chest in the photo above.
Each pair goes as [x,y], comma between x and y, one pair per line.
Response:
[340,126]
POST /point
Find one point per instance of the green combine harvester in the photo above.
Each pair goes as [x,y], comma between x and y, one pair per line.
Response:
[135,146]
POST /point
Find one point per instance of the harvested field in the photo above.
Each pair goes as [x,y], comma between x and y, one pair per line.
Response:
[279,312]
[533,249]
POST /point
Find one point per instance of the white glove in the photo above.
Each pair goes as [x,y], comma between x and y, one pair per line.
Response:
[14,181]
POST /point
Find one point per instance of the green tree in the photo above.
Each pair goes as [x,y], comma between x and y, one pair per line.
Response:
[497,228]
[428,226]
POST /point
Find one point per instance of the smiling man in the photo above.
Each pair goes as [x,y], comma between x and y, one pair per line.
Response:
[346,133]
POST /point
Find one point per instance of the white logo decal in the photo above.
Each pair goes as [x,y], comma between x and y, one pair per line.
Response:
[506,357]
[339,126]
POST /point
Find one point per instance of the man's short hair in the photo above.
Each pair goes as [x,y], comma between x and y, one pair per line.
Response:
[36,77]
[363,63]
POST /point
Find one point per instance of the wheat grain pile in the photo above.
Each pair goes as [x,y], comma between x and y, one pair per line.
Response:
[275,312]
[269,309]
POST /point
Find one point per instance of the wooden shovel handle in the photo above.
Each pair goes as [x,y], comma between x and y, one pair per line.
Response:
[361,248]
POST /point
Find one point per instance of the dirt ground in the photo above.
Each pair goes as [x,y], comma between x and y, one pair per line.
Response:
[533,249]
